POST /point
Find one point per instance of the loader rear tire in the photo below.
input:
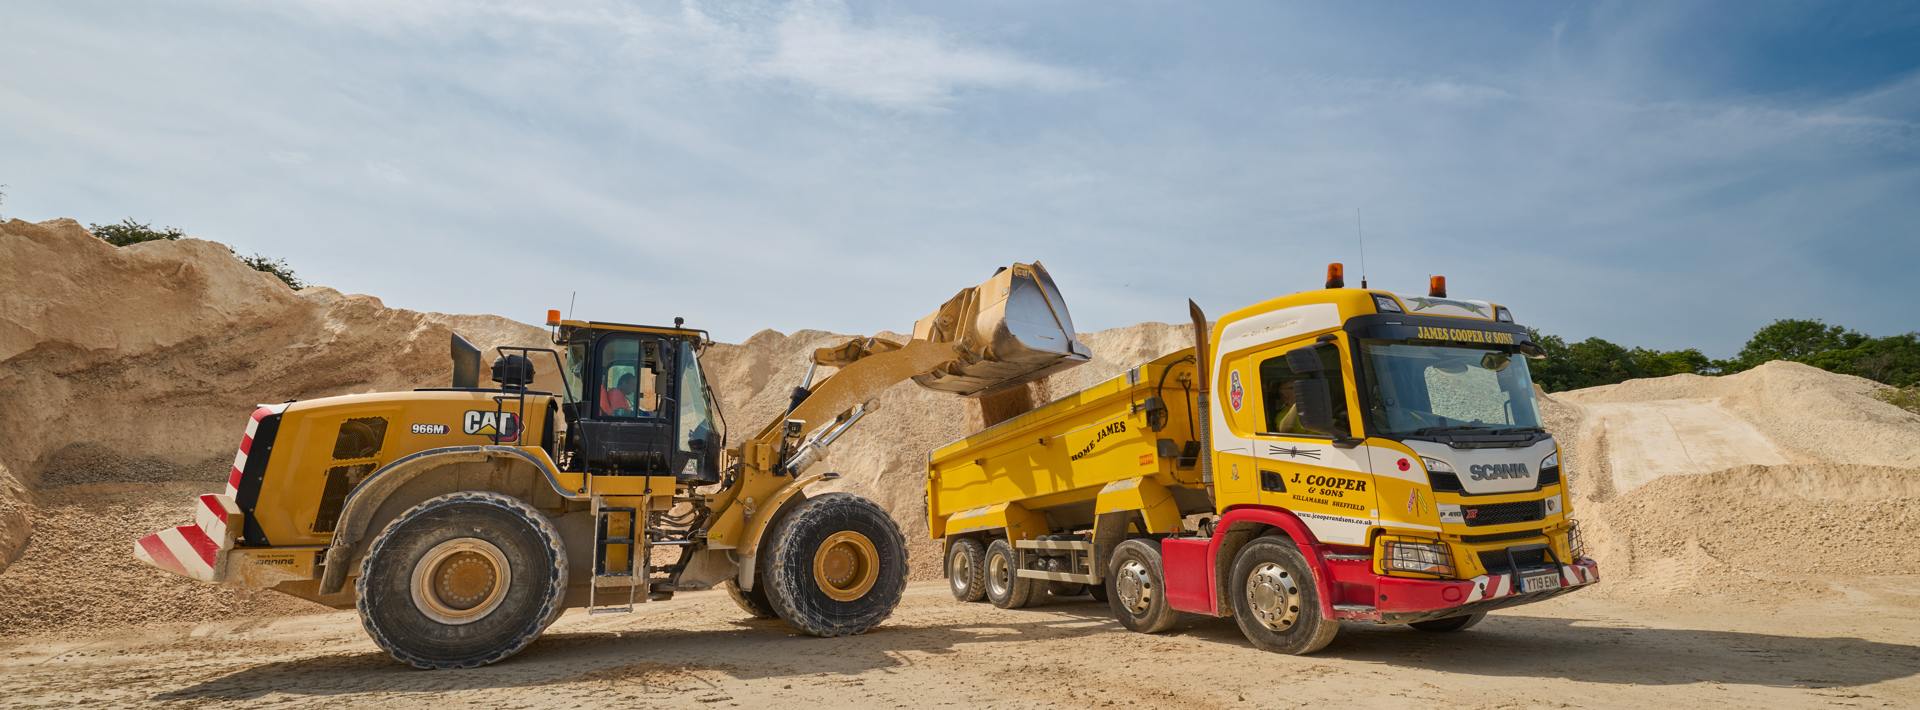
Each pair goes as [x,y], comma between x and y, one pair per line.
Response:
[462,580]
[967,570]
[1449,624]
[1275,600]
[836,565]
[1005,587]
[1137,586]
[753,602]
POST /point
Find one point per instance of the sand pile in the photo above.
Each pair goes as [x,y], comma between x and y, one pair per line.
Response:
[1761,485]
[140,365]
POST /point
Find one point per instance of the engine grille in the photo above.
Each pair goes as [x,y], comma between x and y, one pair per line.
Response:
[1495,561]
[1525,511]
[1500,537]
[1445,482]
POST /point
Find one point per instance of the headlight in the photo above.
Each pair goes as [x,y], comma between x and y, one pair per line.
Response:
[1436,465]
[1414,554]
[1551,460]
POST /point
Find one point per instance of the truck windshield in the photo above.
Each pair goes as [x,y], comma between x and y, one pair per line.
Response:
[1430,389]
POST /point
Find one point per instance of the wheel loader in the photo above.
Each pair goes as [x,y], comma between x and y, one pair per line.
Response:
[461,521]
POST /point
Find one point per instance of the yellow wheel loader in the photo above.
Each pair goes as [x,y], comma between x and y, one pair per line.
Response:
[462,520]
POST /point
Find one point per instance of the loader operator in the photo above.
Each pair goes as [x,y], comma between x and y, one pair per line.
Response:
[619,400]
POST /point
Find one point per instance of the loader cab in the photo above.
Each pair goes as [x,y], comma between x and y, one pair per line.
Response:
[637,402]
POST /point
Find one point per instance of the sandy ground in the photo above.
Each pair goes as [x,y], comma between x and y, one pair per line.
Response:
[1856,650]
[1648,440]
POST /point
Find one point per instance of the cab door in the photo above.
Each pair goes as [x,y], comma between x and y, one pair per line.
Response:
[626,428]
[1326,482]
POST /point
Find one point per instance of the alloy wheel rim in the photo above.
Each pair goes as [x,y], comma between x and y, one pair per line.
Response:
[1273,595]
[1134,586]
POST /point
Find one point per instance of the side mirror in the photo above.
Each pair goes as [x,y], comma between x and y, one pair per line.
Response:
[1532,351]
[1304,360]
[1316,405]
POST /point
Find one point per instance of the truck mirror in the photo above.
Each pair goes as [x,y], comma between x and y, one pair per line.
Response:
[1532,350]
[1316,405]
[1304,360]
[1496,362]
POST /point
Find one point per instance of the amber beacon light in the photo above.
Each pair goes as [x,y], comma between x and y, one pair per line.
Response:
[1336,276]
[1437,287]
[553,317]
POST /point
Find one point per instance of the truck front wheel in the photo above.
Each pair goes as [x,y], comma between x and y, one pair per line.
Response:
[1137,587]
[1275,601]
[836,565]
[462,580]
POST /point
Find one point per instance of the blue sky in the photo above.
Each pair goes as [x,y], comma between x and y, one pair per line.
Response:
[1670,174]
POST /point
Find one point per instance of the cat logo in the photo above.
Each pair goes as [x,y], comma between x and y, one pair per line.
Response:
[499,426]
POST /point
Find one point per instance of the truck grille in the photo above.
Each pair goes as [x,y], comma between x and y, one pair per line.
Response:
[1550,476]
[1525,511]
[1500,537]
[1495,561]
[1445,482]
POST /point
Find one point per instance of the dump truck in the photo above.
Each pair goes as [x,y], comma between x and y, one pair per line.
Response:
[461,521]
[1334,455]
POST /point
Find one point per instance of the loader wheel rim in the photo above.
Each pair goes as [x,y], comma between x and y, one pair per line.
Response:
[1135,587]
[1273,595]
[846,566]
[460,581]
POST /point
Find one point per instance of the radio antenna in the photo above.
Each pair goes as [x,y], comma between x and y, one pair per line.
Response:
[570,300]
[1363,246]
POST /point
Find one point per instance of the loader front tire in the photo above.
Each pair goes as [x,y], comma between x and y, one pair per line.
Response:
[967,570]
[462,580]
[836,565]
[753,602]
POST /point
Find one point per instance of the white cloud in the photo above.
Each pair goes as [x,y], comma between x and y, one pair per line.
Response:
[907,64]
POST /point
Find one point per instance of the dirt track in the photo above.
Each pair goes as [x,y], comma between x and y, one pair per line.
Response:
[1855,649]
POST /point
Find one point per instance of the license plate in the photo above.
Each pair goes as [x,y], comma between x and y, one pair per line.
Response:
[1539,583]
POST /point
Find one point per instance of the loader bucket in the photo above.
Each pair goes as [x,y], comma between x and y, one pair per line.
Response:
[1011,330]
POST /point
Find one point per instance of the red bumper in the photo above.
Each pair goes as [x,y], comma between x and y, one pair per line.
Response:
[1400,600]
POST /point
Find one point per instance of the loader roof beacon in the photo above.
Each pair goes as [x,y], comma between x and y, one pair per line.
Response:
[461,521]
[1334,455]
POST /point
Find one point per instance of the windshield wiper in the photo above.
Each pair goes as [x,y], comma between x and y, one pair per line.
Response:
[1522,430]
[1438,429]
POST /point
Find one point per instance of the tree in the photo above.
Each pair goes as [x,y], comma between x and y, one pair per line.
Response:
[1796,340]
[129,233]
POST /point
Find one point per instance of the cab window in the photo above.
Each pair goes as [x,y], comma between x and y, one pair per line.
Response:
[627,385]
[1276,387]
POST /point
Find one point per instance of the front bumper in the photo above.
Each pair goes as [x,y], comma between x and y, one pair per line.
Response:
[1403,600]
[198,551]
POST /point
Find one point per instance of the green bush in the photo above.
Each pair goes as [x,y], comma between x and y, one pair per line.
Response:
[1907,398]
[129,232]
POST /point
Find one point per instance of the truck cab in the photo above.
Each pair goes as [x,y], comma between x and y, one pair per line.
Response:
[637,402]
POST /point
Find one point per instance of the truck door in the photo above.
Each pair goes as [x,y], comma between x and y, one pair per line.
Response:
[1330,487]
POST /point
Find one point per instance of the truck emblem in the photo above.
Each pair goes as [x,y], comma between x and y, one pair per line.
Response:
[1292,452]
[502,426]
[1235,393]
[429,428]
[1422,303]
[1490,471]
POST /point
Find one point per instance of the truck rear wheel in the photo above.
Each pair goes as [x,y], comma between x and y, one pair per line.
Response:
[1005,587]
[753,602]
[462,580]
[1275,600]
[967,570]
[836,565]
[1137,589]
[1451,623]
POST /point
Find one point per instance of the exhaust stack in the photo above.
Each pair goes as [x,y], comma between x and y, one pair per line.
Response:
[466,363]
